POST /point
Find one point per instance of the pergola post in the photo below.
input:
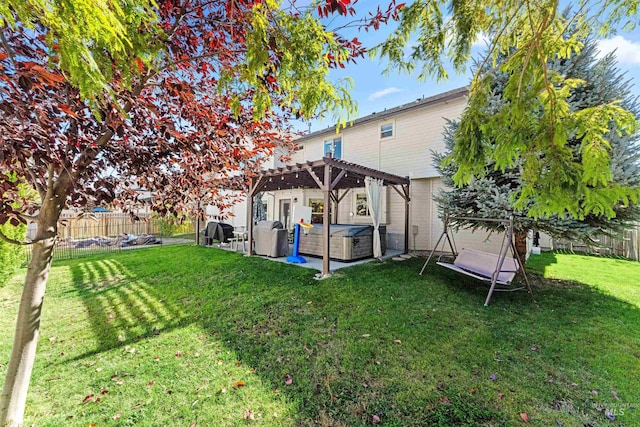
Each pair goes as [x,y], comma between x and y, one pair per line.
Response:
[407,199]
[326,220]
[250,194]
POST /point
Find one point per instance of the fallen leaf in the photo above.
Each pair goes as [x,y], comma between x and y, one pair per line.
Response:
[615,394]
[524,417]
[366,335]
[288,379]
[248,415]
[117,416]
[193,424]
[309,302]
[156,359]
[474,390]
[445,400]
[120,381]
[239,384]
[493,377]
[610,415]
[103,392]
[279,359]
[534,348]
[500,395]
[87,398]
[150,383]
[375,419]
[92,425]
[397,341]
[178,354]
[594,392]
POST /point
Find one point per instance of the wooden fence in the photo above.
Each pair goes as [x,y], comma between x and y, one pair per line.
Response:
[111,224]
[104,232]
[626,245]
[104,224]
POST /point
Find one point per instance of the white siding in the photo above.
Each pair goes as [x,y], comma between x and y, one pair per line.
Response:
[417,133]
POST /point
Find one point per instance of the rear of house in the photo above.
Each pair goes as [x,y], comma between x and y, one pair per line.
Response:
[399,141]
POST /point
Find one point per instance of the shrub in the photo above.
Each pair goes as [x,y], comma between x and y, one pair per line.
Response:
[12,256]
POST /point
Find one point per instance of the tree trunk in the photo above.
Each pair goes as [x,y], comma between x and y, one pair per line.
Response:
[521,244]
[23,353]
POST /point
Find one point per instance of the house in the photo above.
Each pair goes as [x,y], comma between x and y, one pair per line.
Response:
[397,141]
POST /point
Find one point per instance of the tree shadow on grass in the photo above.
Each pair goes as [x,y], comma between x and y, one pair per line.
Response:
[123,306]
[379,340]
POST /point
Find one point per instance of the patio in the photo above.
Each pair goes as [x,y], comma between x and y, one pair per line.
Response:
[314,263]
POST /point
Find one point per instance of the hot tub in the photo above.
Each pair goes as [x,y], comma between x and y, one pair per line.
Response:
[347,242]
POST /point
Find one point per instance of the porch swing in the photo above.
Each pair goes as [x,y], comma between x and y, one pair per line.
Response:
[497,269]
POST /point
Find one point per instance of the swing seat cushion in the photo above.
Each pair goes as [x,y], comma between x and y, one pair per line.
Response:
[482,265]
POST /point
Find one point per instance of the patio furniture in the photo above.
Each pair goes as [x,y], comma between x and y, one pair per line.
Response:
[497,269]
[239,236]
[217,231]
[271,239]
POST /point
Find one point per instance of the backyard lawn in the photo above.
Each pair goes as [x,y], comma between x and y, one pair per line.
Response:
[185,336]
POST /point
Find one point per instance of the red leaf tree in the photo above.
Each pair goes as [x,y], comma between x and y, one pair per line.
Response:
[196,111]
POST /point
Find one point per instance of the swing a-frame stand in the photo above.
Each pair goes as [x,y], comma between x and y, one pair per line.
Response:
[497,269]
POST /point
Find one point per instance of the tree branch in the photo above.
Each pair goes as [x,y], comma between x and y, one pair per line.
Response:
[41,191]
[6,44]
[16,242]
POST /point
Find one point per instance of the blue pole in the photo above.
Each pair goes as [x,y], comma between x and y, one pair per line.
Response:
[296,258]
[296,240]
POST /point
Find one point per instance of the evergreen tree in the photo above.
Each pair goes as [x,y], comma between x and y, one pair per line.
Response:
[493,195]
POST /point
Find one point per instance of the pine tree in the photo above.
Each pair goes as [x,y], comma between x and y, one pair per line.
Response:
[493,195]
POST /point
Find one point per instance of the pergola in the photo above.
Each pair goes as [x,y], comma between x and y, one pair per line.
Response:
[329,175]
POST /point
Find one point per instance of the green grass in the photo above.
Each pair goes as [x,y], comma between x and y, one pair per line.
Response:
[173,335]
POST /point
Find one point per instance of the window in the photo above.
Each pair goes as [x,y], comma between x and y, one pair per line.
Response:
[317,208]
[362,208]
[386,130]
[333,146]
[360,213]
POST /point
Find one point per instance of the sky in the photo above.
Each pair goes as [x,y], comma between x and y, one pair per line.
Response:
[375,92]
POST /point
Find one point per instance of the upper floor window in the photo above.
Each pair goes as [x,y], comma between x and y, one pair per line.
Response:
[333,146]
[386,130]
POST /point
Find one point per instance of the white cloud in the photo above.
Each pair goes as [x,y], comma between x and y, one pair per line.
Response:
[626,51]
[382,93]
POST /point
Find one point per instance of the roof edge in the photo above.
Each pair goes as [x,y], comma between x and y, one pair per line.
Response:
[424,102]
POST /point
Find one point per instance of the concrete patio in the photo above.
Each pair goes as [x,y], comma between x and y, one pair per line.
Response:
[314,263]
